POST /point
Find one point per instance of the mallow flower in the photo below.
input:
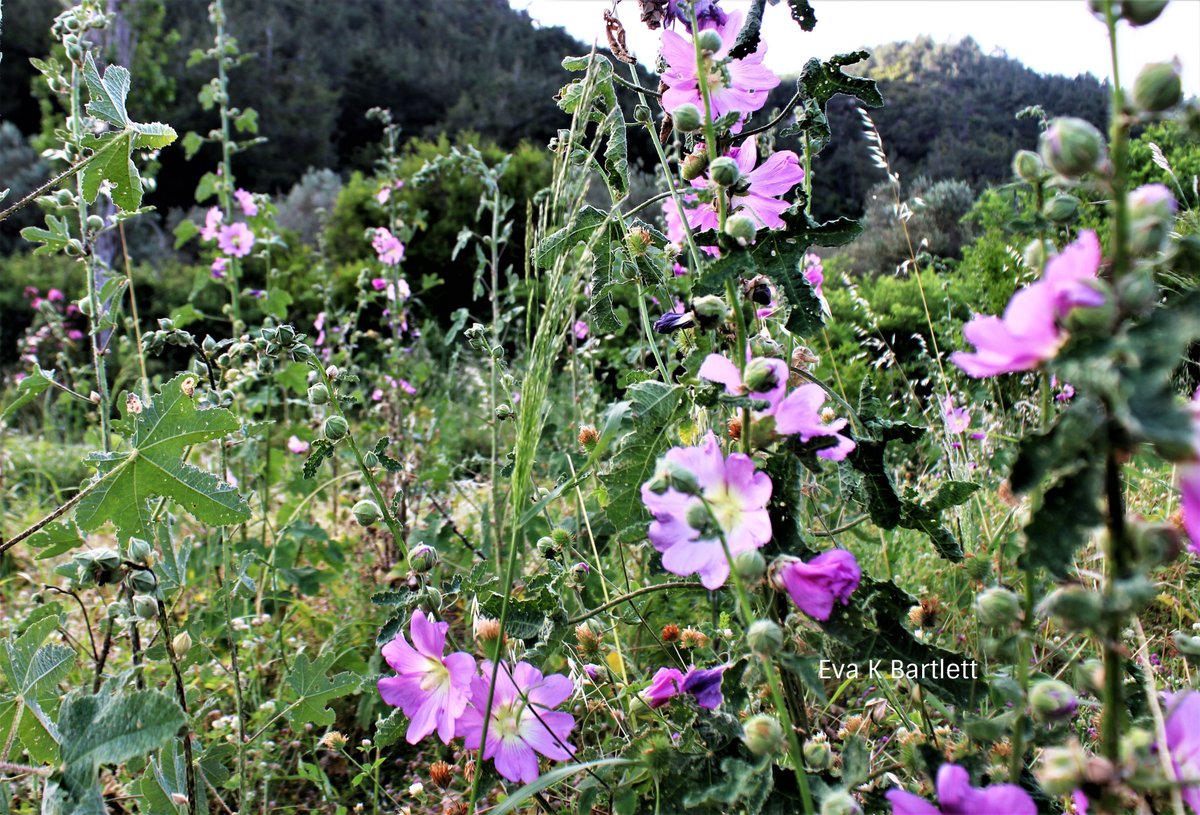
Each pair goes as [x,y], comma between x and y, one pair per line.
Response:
[245,200]
[1030,331]
[1183,742]
[235,239]
[956,796]
[815,585]
[700,496]
[798,413]
[523,722]
[704,685]
[387,247]
[958,419]
[212,223]
[739,85]
[430,688]
[1189,484]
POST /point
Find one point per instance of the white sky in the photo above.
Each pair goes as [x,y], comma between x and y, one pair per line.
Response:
[1050,36]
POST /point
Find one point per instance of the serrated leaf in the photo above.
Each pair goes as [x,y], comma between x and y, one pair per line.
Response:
[1061,524]
[653,407]
[52,240]
[821,81]
[315,690]
[153,466]
[390,730]
[802,13]
[54,539]
[558,243]
[28,389]
[107,93]
[600,106]
[321,449]
[747,39]
[1060,448]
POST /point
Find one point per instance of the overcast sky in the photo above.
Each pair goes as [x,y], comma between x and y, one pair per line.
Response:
[1050,36]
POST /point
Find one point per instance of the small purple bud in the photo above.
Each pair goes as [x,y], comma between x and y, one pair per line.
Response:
[674,321]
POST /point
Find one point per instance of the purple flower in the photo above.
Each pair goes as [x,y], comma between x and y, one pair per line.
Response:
[703,684]
[55,296]
[246,202]
[581,330]
[798,413]
[219,265]
[674,321]
[958,419]
[1189,482]
[432,690]
[733,84]
[297,445]
[757,195]
[388,247]
[235,239]
[379,284]
[729,501]
[708,14]
[813,586]
[1183,741]
[523,721]
[1029,333]
[956,796]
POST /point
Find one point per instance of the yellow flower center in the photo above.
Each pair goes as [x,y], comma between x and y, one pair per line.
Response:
[437,675]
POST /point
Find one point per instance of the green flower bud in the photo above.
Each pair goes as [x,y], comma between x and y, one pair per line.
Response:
[182,643]
[1072,146]
[140,550]
[682,479]
[1027,166]
[1091,675]
[1052,700]
[1188,645]
[765,638]
[698,517]
[560,536]
[503,412]
[724,171]
[977,568]
[95,223]
[694,165]
[318,394]
[710,311]
[760,376]
[709,41]
[367,512]
[687,118]
[1158,87]
[117,610]
[1062,769]
[840,803]
[1140,12]
[370,459]
[762,735]
[335,428]
[750,565]
[641,113]
[1075,607]
[145,607]
[741,228]
[997,607]
[1061,208]
[1137,291]
[817,754]
[142,581]
[547,548]
[422,558]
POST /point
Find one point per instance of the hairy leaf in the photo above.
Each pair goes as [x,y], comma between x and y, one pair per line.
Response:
[821,81]
[1069,512]
[307,679]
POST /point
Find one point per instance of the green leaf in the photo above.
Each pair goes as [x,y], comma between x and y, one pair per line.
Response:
[856,762]
[558,243]
[32,671]
[390,730]
[748,38]
[821,81]
[28,389]
[307,679]
[803,14]
[1068,513]
[1071,438]
[548,779]
[153,466]
[738,782]
[320,450]
[54,539]
[107,93]
[596,96]
[52,240]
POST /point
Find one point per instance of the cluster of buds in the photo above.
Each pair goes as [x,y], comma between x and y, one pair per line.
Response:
[95,567]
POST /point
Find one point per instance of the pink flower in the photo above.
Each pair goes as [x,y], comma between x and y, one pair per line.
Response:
[246,202]
[734,84]
[379,284]
[798,413]
[581,330]
[523,722]
[958,419]
[400,288]
[1030,332]
[1189,483]
[212,222]
[759,199]
[1183,742]
[956,796]
[432,690]
[297,445]
[219,265]
[735,494]
[407,387]
[319,325]
[813,586]
[377,395]
[55,296]
[665,685]
[235,239]
[703,685]
[388,247]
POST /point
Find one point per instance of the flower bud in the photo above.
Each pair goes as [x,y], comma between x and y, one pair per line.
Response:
[997,607]
[674,321]
[741,228]
[1052,700]
[763,735]
[1074,607]
[1062,769]
[709,41]
[547,548]
[765,638]
[589,436]
[694,165]
[1072,146]
[503,412]
[638,240]
[1091,675]
[422,558]
[145,607]
[1188,645]
[181,644]
[1027,166]
[750,565]
[1158,87]
[1151,217]
[1061,208]
[642,113]
[724,171]
[95,223]
[143,581]
[370,459]
[335,428]
[760,376]
[560,536]
[687,118]
[710,310]
[1137,291]
[367,512]
[1141,12]
[698,517]
[318,394]
[817,754]
[140,550]
[840,803]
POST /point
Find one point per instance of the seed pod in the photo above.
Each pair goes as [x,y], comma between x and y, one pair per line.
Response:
[142,581]
[182,643]
[145,607]
[335,428]
[140,550]
[95,223]
[367,512]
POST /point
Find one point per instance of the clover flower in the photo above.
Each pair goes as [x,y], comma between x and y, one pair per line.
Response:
[739,85]
[723,498]
[430,688]
[956,796]
[387,247]
[704,685]
[523,722]
[235,239]
[815,585]
[1030,333]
